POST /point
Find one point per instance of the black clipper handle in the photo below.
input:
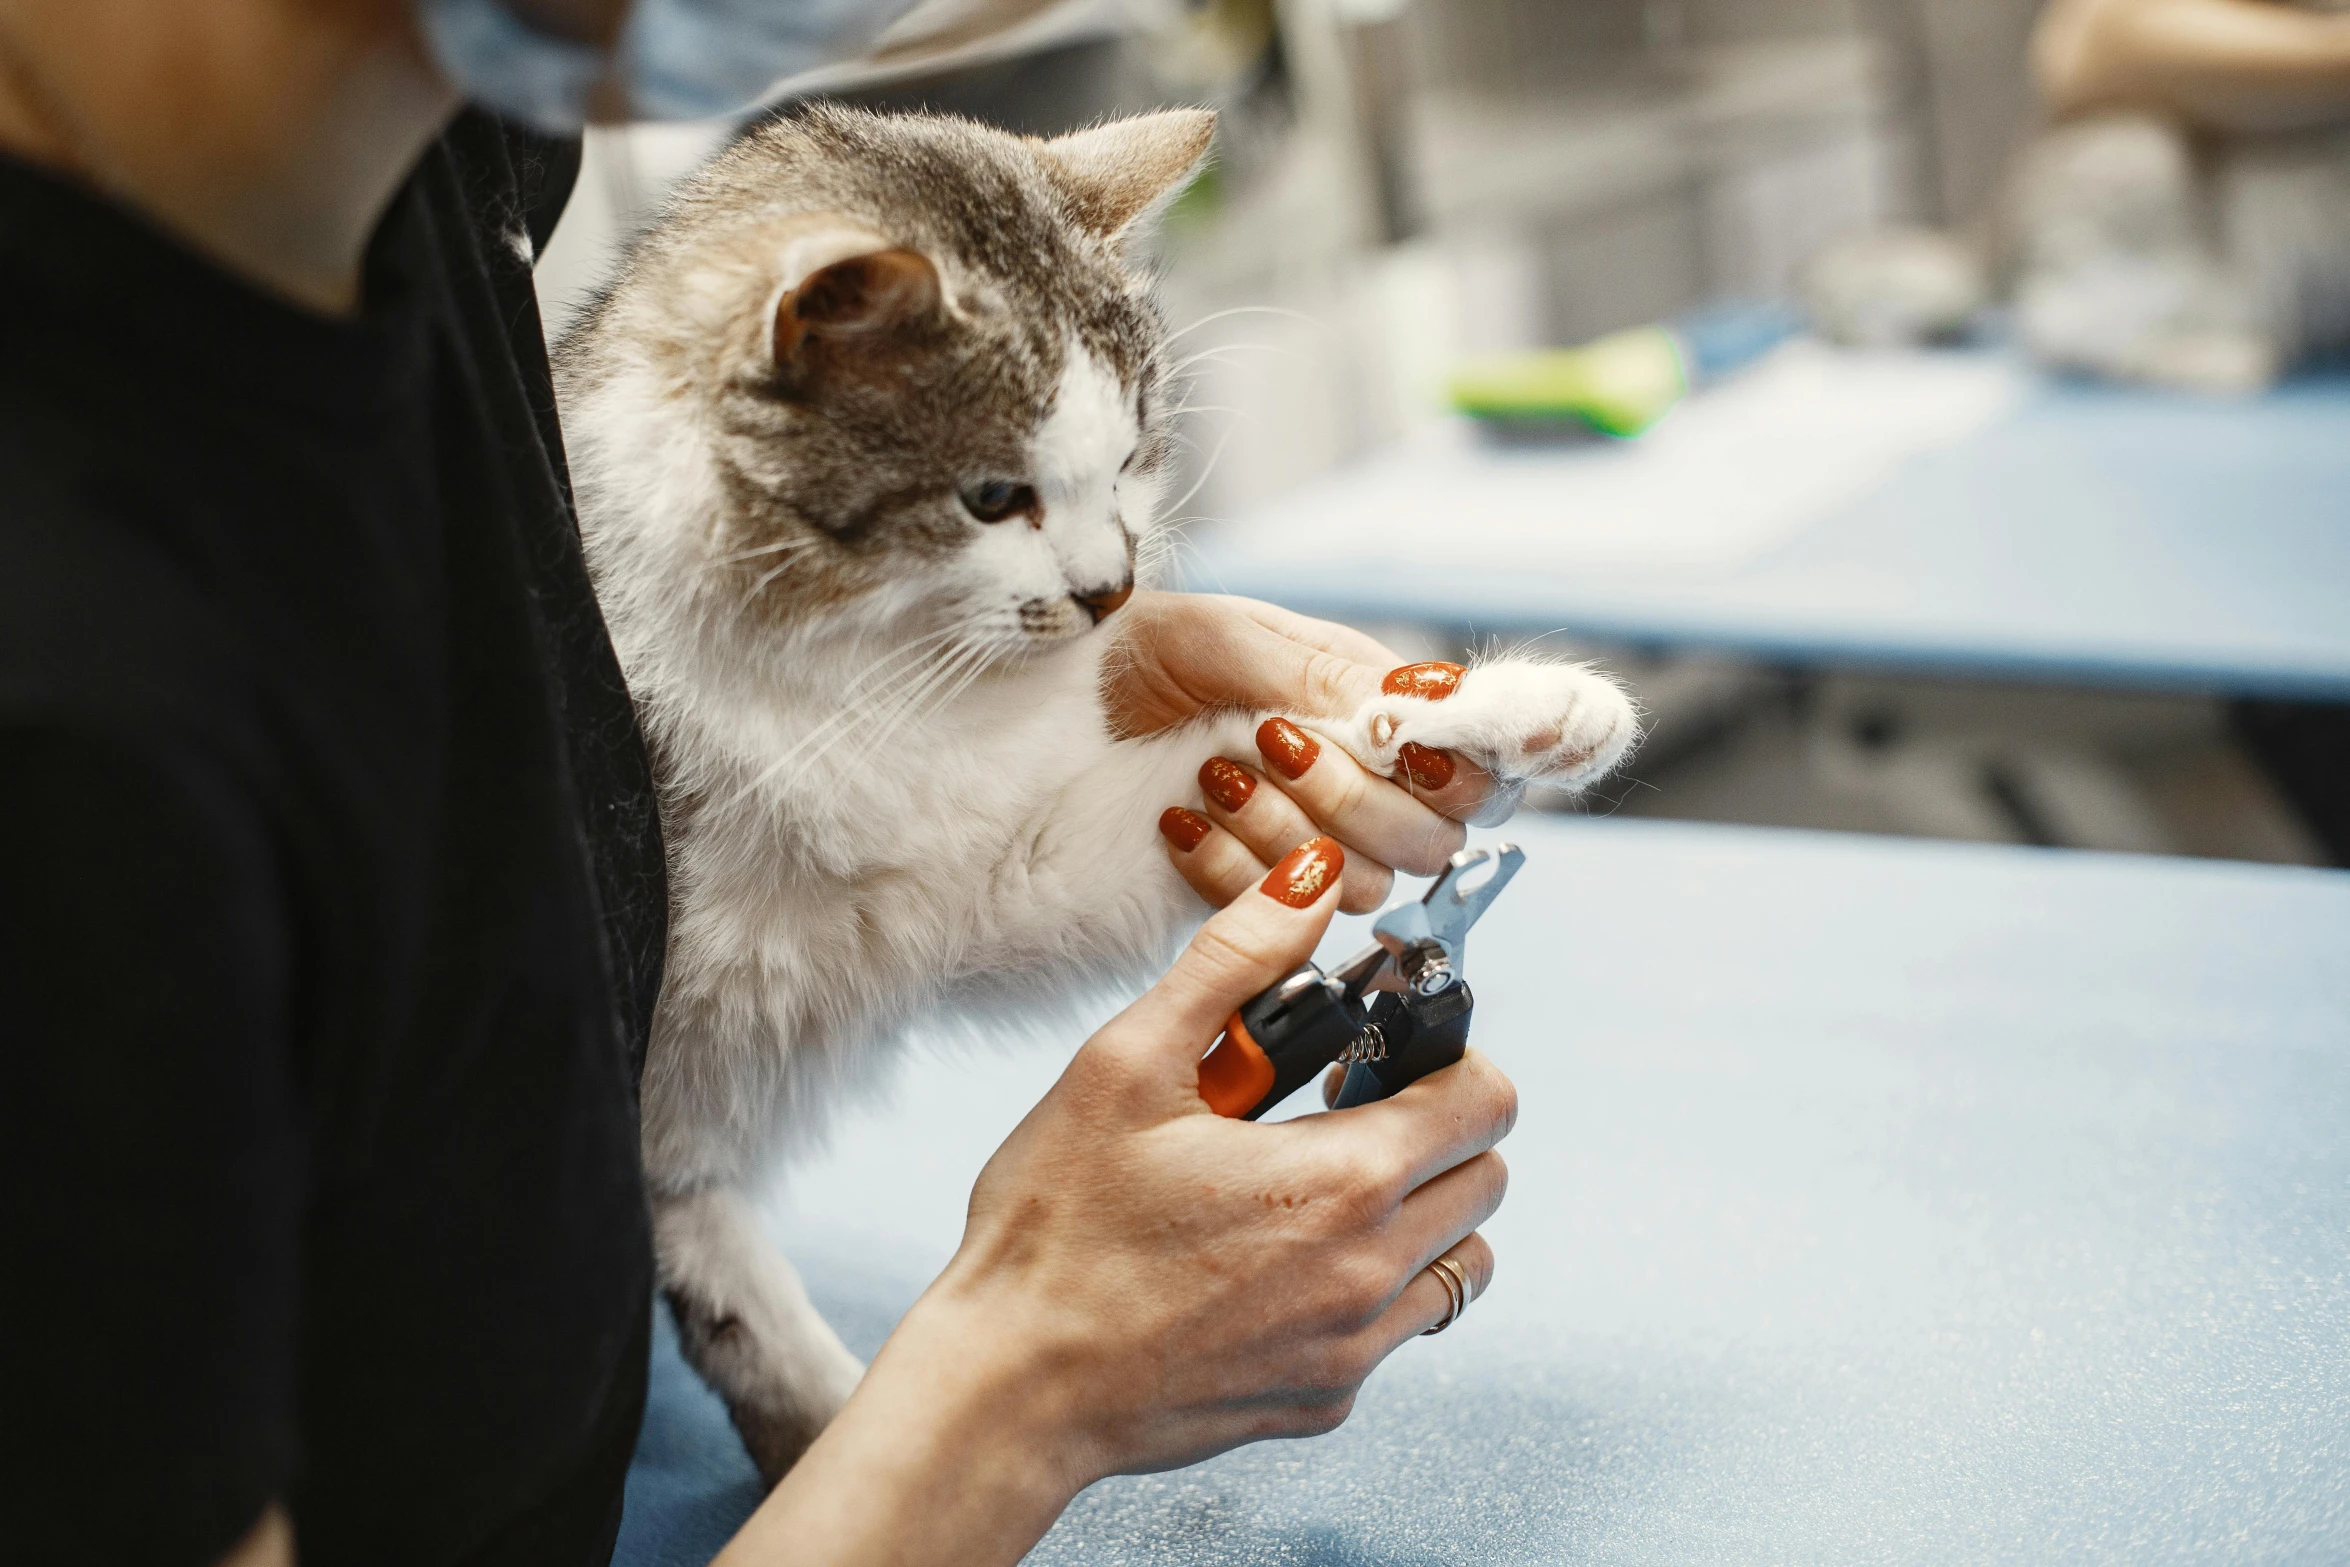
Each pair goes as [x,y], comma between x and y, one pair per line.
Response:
[1279,1041]
[1422,1034]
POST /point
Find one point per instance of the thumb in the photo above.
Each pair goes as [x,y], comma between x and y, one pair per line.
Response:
[1260,936]
[1197,651]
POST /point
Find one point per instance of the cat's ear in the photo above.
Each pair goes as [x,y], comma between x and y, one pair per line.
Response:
[856,296]
[1119,176]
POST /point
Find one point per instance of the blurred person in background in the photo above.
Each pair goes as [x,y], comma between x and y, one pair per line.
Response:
[334,892]
[2184,220]
[2225,66]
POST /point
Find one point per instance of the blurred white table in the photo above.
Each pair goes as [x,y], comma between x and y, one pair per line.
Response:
[1945,513]
[1873,1201]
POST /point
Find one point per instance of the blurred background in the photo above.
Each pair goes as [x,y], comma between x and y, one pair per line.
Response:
[1977,618]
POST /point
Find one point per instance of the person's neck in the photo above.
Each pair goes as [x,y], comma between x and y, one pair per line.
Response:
[268,134]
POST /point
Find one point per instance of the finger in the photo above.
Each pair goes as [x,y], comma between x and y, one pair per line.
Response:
[1332,1081]
[1445,1119]
[1328,636]
[1424,1302]
[1351,804]
[1434,1218]
[1260,936]
[1211,650]
[1270,823]
[1217,864]
[1445,781]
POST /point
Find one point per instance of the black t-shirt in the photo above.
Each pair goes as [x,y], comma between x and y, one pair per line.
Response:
[330,903]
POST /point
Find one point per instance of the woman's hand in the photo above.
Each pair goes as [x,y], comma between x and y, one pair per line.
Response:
[1143,1283]
[1182,654]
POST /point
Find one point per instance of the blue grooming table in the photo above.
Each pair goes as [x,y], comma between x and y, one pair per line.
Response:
[1872,1201]
[2093,536]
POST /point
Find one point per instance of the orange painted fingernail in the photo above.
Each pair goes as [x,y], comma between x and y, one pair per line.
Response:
[1429,767]
[1430,682]
[1305,872]
[1290,749]
[1187,830]
[1226,782]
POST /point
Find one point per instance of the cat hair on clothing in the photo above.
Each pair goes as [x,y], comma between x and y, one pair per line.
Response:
[868,436]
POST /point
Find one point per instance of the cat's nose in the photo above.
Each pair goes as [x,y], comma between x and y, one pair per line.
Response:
[1101,605]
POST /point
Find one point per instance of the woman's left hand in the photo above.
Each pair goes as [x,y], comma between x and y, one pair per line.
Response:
[1183,654]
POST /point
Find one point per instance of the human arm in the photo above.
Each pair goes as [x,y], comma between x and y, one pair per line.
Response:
[1143,1283]
[2234,65]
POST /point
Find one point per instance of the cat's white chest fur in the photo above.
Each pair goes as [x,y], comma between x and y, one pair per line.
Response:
[998,852]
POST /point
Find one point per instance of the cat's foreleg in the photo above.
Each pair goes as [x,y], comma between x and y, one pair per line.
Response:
[1085,894]
[746,1324]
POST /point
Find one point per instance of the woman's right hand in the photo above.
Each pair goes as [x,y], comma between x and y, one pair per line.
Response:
[1143,1283]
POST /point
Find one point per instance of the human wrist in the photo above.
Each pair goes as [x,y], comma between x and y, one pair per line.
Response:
[955,1448]
[1004,1381]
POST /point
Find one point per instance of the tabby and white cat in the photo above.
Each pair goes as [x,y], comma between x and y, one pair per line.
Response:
[868,436]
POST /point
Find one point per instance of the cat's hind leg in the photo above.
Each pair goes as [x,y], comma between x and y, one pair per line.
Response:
[746,1324]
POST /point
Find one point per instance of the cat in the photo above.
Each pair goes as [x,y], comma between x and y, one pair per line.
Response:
[867,437]
[2132,246]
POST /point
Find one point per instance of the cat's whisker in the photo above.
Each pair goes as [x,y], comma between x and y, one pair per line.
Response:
[900,671]
[881,680]
[906,696]
[1174,546]
[1212,317]
[956,683]
[779,545]
[1220,351]
[760,586]
[1206,468]
[934,695]
[905,666]
[1184,371]
[786,773]
[943,680]
[875,683]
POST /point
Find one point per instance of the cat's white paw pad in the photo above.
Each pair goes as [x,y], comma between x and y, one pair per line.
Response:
[1522,720]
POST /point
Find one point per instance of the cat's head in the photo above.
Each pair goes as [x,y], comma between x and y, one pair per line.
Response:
[924,371]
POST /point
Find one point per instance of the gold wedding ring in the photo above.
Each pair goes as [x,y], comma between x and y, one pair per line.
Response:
[1455,1280]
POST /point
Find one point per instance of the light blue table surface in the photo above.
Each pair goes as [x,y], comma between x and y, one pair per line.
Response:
[2097,535]
[1873,1201]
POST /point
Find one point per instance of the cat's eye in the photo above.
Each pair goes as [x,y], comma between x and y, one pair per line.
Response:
[997,499]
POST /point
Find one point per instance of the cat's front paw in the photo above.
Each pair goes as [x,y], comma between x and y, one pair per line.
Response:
[1521,719]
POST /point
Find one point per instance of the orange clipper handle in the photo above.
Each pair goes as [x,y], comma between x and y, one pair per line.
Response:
[1279,1041]
[1235,1076]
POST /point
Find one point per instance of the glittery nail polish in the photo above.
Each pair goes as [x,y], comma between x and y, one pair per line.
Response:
[1305,873]
[1430,682]
[1226,782]
[1187,830]
[1290,749]
[1430,768]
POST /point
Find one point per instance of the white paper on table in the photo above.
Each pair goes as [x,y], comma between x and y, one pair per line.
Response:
[1727,475]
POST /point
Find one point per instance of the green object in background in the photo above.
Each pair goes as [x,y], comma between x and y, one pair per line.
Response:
[1619,384]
